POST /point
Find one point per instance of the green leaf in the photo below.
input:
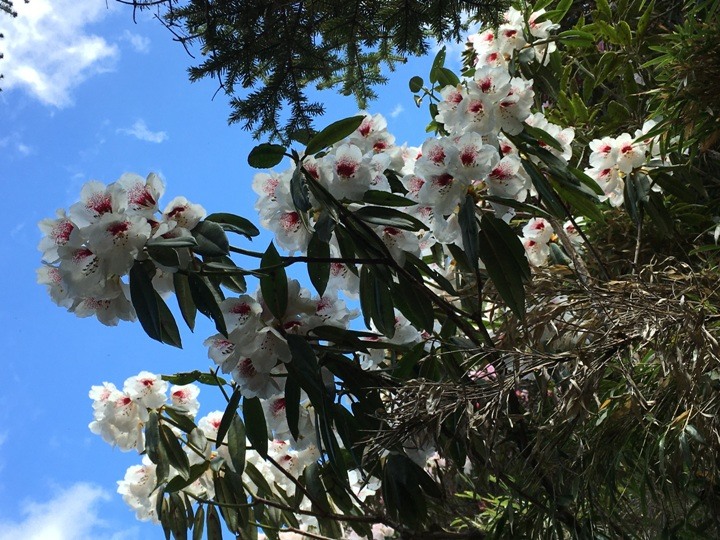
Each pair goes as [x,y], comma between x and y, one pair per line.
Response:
[543,136]
[164,256]
[389,217]
[319,272]
[402,492]
[438,278]
[274,286]
[227,417]
[179,483]
[438,62]
[255,425]
[214,528]
[233,223]
[416,84]
[384,198]
[417,308]
[211,239]
[174,451]
[299,190]
[624,33]
[152,437]
[188,310]
[236,443]
[180,418]
[446,77]
[469,231]
[266,155]
[199,523]
[179,242]
[207,301]
[544,189]
[304,368]
[376,302]
[333,133]
[292,406]
[504,257]
[154,315]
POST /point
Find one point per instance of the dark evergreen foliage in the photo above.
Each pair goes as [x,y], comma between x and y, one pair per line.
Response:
[265,53]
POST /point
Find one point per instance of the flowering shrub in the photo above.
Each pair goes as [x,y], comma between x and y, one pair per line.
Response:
[334,432]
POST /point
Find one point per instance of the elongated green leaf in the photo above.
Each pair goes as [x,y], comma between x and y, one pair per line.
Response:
[543,136]
[319,272]
[504,257]
[236,443]
[154,315]
[255,425]
[211,239]
[233,223]
[266,155]
[299,190]
[418,309]
[544,189]
[469,231]
[304,368]
[174,451]
[207,301]
[376,302]
[180,242]
[227,417]
[152,437]
[179,483]
[384,198]
[274,286]
[199,523]
[389,217]
[446,77]
[180,418]
[438,63]
[188,310]
[292,406]
[214,528]
[164,256]
[333,133]
[441,280]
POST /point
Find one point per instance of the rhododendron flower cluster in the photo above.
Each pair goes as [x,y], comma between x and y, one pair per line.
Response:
[90,248]
[120,418]
[255,350]
[613,158]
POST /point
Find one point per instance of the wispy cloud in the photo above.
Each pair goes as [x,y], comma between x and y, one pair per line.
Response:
[397,111]
[48,50]
[139,43]
[14,142]
[72,514]
[140,131]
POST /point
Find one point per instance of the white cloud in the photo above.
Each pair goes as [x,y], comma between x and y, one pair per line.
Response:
[397,111]
[140,131]
[139,43]
[48,50]
[72,514]
[14,142]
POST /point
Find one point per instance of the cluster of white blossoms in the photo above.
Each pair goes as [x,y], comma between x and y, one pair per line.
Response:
[613,158]
[474,157]
[254,351]
[121,417]
[90,248]
[497,47]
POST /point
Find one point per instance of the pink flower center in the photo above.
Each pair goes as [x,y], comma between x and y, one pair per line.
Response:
[119,228]
[346,167]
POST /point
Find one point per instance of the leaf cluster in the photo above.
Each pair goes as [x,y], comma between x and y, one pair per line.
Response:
[266,53]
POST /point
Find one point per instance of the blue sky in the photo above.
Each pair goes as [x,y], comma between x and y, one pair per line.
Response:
[87,95]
